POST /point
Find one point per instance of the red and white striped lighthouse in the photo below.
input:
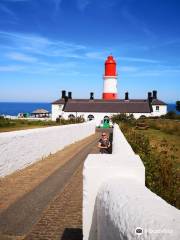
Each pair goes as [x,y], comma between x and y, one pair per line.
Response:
[110,79]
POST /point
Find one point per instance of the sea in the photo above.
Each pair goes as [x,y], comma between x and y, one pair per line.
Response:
[14,108]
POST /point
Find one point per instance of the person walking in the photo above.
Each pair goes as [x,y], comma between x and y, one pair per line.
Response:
[104,143]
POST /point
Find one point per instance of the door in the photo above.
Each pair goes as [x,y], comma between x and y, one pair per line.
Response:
[106,122]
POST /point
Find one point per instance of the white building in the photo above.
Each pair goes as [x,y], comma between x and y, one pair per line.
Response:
[101,110]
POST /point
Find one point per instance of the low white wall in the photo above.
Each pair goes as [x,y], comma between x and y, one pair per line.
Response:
[124,205]
[19,149]
[122,165]
[120,144]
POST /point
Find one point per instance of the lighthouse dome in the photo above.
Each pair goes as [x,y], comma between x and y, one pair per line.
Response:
[110,66]
[110,60]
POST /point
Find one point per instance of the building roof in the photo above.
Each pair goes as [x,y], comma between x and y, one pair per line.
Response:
[40,111]
[111,106]
[59,101]
[158,102]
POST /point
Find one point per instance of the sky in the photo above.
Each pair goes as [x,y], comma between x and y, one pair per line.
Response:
[47,46]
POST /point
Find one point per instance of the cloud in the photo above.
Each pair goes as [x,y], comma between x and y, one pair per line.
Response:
[11,68]
[96,55]
[102,55]
[7,10]
[21,57]
[134,21]
[156,71]
[128,69]
[134,59]
[39,45]
[82,4]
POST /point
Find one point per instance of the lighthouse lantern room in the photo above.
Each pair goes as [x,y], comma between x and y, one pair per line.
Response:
[110,79]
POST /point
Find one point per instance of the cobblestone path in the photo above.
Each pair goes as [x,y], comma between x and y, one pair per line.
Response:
[44,201]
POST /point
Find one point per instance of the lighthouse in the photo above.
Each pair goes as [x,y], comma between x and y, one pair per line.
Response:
[110,79]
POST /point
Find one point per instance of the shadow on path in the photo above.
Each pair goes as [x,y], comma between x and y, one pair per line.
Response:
[72,234]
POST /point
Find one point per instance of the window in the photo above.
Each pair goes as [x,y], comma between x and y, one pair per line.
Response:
[71,116]
[157,108]
[90,117]
[60,107]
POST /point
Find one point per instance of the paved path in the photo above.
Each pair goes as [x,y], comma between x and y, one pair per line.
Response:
[44,201]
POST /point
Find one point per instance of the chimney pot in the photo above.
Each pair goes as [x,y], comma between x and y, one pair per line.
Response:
[63,94]
[154,94]
[150,96]
[126,96]
[70,95]
[91,95]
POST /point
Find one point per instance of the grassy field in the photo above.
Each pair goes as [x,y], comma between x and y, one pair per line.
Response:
[7,125]
[17,128]
[156,137]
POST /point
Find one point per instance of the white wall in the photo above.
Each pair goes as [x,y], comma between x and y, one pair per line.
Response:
[56,111]
[98,168]
[114,214]
[19,149]
[123,205]
[162,110]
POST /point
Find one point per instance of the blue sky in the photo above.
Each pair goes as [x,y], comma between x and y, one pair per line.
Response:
[50,45]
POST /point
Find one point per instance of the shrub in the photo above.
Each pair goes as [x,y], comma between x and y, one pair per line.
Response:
[124,118]
[178,106]
[161,177]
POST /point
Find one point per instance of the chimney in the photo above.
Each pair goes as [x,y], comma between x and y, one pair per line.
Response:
[150,97]
[70,95]
[63,94]
[91,95]
[154,94]
[126,96]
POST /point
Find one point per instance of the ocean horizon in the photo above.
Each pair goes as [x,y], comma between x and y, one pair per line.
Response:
[13,108]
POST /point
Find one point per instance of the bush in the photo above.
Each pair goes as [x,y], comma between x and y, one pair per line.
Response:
[124,118]
[178,106]
[161,177]
[170,115]
[63,121]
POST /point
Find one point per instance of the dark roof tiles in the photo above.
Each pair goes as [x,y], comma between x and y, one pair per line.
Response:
[158,102]
[114,106]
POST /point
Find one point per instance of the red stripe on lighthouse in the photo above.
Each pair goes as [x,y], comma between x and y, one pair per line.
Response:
[109,96]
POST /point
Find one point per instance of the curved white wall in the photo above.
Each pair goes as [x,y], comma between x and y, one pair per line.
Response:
[19,149]
[124,205]
[116,201]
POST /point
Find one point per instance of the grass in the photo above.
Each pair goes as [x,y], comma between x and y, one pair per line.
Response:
[7,125]
[16,128]
[157,136]
[169,126]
